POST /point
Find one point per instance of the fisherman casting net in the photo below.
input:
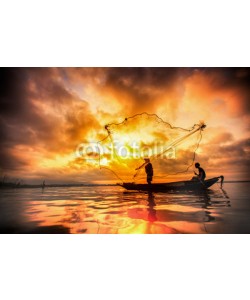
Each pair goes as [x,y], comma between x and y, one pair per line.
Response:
[171,149]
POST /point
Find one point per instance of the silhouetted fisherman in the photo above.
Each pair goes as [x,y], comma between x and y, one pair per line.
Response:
[148,169]
[202,174]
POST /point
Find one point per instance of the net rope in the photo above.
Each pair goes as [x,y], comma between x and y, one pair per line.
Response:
[196,128]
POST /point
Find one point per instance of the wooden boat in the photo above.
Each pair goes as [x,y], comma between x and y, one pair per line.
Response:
[188,185]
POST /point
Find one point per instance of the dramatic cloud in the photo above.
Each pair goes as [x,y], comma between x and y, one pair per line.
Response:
[40,119]
[47,112]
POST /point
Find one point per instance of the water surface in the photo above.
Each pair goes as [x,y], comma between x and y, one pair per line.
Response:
[111,209]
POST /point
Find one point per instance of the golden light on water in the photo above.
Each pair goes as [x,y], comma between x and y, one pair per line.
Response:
[109,210]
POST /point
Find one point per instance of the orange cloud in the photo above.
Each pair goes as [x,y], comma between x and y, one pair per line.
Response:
[47,112]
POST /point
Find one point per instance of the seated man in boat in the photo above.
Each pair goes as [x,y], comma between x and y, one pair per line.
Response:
[201,175]
[148,169]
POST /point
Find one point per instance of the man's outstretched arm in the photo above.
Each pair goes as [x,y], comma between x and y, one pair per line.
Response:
[140,166]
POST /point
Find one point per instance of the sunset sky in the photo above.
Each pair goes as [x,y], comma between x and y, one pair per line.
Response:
[47,112]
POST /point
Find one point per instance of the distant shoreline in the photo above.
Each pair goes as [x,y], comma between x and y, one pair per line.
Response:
[237,181]
[52,185]
[16,186]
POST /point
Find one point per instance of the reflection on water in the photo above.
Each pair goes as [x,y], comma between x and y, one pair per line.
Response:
[113,210]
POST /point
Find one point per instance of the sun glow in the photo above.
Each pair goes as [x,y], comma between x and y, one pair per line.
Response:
[64,107]
[58,162]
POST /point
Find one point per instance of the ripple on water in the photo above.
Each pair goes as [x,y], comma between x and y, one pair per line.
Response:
[112,210]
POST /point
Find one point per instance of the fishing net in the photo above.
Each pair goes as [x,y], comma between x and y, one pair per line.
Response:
[170,149]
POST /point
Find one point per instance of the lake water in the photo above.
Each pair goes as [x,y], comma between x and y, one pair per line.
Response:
[111,209]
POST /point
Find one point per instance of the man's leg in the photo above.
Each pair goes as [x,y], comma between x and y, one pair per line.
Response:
[149,179]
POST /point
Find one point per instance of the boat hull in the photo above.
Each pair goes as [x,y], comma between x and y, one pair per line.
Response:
[172,186]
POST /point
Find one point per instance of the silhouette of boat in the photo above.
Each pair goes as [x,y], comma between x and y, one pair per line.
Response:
[188,185]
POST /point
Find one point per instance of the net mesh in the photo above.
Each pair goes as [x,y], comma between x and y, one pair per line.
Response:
[170,149]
